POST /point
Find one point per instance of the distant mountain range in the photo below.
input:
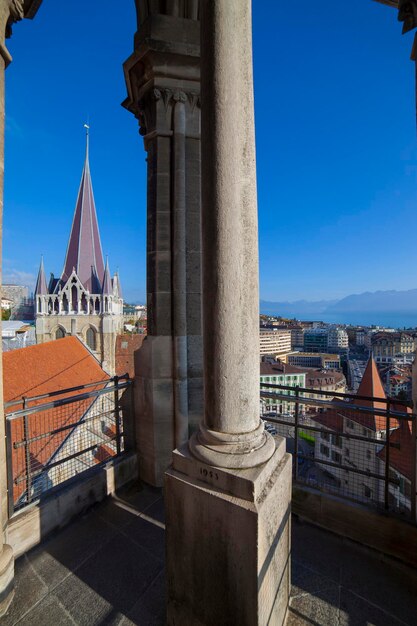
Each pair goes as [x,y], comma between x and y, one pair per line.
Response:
[368,302]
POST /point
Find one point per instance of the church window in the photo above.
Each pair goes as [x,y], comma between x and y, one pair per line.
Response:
[60,333]
[91,339]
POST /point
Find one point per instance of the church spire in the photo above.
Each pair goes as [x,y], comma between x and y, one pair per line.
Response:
[107,284]
[84,246]
[41,289]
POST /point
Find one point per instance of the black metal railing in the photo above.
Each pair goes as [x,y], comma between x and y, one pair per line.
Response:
[358,447]
[55,437]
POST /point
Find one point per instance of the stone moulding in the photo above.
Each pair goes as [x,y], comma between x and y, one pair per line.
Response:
[407,13]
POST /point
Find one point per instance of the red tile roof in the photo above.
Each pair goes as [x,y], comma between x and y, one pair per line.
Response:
[331,419]
[371,385]
[39,370]
[401,457]
[126,346]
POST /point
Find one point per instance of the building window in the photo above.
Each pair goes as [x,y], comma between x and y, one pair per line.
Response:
[324,450]
[337,441]
[91,339]
[325,436]
[350,424]
[367,491]
[336,458]
[60,333]
[347,452]
[368,454]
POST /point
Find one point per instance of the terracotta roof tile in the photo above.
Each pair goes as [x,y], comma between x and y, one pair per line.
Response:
[39,370]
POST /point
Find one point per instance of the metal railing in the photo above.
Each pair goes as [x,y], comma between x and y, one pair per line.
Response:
[54,437]
[357,447]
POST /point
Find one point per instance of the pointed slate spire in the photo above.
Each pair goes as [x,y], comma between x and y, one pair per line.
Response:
[107,284]
[41,289]
[84,246]
[117,287]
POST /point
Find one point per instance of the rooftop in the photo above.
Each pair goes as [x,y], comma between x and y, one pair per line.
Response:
[107,567]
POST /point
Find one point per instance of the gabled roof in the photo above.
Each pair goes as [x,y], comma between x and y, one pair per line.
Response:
[84,246]
[41,288]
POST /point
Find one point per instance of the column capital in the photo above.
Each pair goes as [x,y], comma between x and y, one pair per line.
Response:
[407,13]
[12,11]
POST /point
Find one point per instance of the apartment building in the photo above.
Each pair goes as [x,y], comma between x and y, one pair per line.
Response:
[393,347]
[314,359]
[274,342]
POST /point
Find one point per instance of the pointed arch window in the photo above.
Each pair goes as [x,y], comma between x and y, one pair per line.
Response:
[60,333]
[91,339]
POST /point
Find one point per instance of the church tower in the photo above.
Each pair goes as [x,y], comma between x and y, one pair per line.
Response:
[85,301]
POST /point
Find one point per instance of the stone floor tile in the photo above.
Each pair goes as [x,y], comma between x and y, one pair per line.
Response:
[85,605]
[157,511]
[356,611]
[117,512]
[47,613]
[317,549]
[382,583]
[322,608]
[147,534]
[67,549]
[139,496]
[305,580]
[115,577]
[29,590]
[150,610]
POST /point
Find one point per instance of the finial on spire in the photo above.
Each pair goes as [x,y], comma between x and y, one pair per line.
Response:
[87,138]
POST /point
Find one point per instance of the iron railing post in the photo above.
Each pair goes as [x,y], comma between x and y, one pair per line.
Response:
[296,416]
[26,437]
[117,414]
[387,455]
[9,465]
[414,469]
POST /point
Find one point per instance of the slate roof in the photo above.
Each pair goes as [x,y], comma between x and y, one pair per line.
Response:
[84,247]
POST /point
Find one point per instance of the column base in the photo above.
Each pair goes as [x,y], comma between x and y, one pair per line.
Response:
[228,541]
[6,579]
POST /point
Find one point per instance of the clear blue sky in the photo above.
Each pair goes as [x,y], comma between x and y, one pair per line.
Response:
[336,145]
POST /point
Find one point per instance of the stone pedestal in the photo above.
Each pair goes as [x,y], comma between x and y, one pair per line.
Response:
[228,541]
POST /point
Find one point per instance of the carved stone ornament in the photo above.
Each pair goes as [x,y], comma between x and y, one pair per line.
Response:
[146,112]
[17,13]
[407,13]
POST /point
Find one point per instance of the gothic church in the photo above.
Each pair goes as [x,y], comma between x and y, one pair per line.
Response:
[85,301]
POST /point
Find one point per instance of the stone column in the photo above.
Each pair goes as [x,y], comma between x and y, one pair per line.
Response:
[228,493]
[163,82]
[10,11]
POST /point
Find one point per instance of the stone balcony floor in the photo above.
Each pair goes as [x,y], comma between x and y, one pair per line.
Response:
[107,567]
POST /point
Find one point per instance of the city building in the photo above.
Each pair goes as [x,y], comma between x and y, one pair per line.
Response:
[85,301]
[313,359]
[17,334]
[338,339]
[316,340]
[297,337]
[274,342]
[393,347]
[281,374]
[331,446]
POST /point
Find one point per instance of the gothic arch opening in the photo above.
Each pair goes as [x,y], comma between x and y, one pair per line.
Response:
[60,333]
[91,338]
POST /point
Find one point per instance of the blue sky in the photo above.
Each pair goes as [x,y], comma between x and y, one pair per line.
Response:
[336,145]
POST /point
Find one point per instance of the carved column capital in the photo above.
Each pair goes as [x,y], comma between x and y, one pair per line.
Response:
[407,13]
[17,13]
